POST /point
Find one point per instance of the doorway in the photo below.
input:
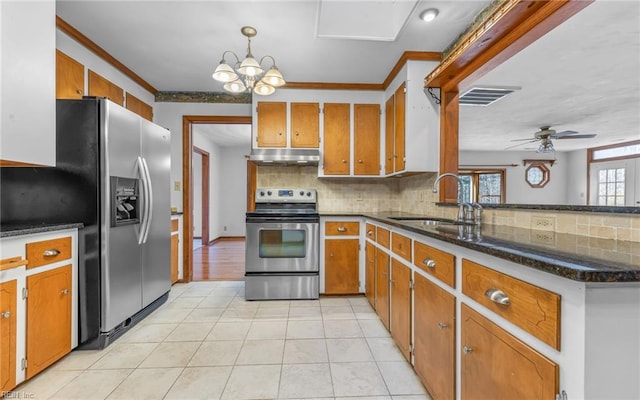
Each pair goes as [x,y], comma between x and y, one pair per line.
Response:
[200,168]
[188,124]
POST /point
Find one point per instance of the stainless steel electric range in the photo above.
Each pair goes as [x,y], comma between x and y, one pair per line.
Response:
[282,246]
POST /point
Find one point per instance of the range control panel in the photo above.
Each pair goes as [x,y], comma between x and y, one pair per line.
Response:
[280,195]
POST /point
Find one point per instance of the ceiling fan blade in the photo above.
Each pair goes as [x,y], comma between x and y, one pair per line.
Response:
[520,144]
[522,140]
[587,136]
[563,133]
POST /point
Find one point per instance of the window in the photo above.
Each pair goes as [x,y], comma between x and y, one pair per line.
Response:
[611,188]
[486,186]
[537,174]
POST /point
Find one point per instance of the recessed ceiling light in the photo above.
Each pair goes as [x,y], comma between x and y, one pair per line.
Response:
[429,15]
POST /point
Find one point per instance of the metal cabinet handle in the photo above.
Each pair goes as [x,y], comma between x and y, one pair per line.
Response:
[344,161]
[497,296]
[64,291]
[51,253]
[5,314]
[79,91]
[467,350]
[442,325]
[280,133]
[369,233]
[429,263]
[342,229]
[360,161]
[297,133]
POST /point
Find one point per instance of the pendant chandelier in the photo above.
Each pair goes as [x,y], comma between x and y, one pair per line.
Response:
[248,75]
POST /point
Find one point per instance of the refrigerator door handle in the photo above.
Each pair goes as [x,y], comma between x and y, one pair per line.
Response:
[149,202]
[145,200]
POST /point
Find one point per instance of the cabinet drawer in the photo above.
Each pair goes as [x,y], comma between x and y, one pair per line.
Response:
[174,225]
[401,245]
[382,237]
[48,251]
[532,308]
[370,231]
[435,262]
[341,228]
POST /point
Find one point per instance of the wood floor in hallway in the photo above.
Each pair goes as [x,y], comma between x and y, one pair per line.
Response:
[221,261]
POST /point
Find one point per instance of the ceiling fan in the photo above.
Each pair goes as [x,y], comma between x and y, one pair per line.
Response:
[544,136]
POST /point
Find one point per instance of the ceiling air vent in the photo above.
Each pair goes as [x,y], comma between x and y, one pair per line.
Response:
[483,96]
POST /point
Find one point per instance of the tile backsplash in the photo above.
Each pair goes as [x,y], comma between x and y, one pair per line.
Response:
[414,195]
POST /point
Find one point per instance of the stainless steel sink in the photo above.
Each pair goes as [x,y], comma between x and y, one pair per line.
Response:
[427,221]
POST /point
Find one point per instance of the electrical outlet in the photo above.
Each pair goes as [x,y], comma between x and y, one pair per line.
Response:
[543,223]
[176,186]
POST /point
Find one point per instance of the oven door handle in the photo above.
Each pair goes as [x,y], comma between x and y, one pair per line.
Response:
[290,222]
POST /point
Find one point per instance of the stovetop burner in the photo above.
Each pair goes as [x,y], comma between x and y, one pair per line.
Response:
[285,203]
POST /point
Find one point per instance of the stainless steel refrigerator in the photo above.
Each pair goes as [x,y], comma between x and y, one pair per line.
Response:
[112,174]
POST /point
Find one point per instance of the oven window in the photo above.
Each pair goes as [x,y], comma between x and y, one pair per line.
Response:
[282,243]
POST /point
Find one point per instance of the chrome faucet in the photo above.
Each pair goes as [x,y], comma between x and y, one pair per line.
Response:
[477,217]
[461,205]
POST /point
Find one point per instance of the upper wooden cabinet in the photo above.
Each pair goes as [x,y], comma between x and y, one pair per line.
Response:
[69,77]
[366,139]
[102,87]
[28,76]
[336,154]
[395,131]
[272,124]
[305,125]
[412,122]
[139,107]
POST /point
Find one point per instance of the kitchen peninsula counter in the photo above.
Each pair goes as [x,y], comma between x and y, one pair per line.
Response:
[10,230]
[575,257]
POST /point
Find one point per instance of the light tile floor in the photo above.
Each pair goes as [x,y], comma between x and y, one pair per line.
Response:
[207,342]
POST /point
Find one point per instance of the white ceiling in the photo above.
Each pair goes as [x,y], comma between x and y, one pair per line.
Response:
[225,135]
[583,76]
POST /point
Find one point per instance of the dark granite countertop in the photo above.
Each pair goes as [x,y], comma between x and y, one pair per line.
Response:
[576,257]
[10,230]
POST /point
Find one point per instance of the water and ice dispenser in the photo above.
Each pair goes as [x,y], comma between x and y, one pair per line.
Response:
[125,201]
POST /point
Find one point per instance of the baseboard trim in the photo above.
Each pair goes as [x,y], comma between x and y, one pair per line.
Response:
[227,239]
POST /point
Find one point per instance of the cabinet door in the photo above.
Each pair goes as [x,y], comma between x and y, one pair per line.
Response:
[48,318]
[102,87]
[341,266]
[69,77]
[272,124]
[496,365]
[434,338]
[336,159]
[388,136]
[382,286]
[7,335]
[370,274]
[399,124]
[175,243]
[305,122]
[139,107]
[366,139]
[401,307]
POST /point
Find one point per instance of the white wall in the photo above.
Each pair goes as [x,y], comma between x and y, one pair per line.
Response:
[518,190]
[577,172]
[169,115]
[232,193]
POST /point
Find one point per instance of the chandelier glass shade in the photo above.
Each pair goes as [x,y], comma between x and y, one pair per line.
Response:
[546,146]
[248,74]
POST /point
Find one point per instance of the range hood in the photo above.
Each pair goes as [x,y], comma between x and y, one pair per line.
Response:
[285,156]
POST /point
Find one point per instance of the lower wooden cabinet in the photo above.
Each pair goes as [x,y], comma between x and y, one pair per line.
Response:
[8,335]
[496,365]
[382,286]
[370,273]
[401,307]
[435,338]
[48,318]
[341,266]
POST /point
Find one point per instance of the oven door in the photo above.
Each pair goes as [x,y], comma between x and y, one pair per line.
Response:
[282,246]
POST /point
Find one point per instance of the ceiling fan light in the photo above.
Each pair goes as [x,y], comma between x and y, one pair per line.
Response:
[273,77]
[235,87]
[250,67]
[224,73]
[263,89]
